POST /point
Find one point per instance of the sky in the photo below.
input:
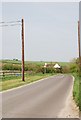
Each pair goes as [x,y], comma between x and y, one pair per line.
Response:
[51,32]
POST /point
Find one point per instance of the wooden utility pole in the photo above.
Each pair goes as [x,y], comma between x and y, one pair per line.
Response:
[79,45]
[79,37]
[23,50]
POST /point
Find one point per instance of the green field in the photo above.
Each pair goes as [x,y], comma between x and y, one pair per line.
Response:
[32,62]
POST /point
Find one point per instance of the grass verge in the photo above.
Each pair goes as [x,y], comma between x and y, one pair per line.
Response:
[77,90]
[8,83]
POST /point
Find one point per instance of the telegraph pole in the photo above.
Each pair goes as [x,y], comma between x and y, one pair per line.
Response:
[23,50]
[79,37]
[79,44]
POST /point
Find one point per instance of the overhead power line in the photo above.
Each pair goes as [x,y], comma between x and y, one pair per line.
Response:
[14,23]
[7,25]
[10,22]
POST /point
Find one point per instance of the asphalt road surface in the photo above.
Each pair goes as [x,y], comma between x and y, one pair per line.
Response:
[43,99]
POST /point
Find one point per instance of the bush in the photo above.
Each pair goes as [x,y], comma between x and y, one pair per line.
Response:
[50,70]
[73,68]
[65,69]
[11,67]
[33,67]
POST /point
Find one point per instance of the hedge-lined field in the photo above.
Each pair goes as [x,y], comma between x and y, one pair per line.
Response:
[29,65]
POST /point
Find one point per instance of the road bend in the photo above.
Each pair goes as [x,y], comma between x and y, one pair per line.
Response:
[43,99]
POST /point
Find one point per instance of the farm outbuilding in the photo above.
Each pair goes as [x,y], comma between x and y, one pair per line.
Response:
[57,68]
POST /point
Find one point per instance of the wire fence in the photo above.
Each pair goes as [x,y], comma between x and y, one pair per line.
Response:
[11,23]
[9,72]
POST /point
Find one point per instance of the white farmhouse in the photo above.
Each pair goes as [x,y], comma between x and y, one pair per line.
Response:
[57,66]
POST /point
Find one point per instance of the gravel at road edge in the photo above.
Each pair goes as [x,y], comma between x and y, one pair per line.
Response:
[70,110]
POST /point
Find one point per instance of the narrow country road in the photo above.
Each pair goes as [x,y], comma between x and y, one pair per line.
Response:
[43,99]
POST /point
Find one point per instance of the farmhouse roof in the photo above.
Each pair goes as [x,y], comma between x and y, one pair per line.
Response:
[57,66]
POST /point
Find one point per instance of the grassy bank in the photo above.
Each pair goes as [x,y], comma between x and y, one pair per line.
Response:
[77,90]
[12,82]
